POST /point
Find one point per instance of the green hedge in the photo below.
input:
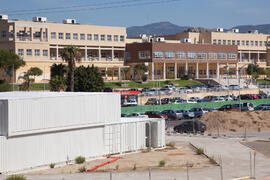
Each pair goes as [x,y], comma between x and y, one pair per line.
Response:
[187,106]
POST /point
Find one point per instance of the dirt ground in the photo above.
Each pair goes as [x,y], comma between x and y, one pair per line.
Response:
[174,158]
[234,121]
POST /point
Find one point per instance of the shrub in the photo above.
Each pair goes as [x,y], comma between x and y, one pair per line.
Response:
[16,177]
[57,83]
[144,77]
[82,169]
[161,163]
[52,165]
[171,144]
[80,160]
[199,151]
[4,86]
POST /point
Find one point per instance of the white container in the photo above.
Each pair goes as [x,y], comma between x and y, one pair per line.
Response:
[30,113]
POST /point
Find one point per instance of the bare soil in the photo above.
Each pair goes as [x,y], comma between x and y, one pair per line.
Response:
[236,121]
[174,158]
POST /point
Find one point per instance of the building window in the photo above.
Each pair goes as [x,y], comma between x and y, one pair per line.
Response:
[247,43]
[232,56]
[122,38]
[222,55]
[89,36]
[103,55]
[44,35]
[229,42]
[144,55]
[75,36]
[214,41]
[261,43]
[242,42]
[169,55]
[109,37]
[37,52]
[82,36]
[53,35]
[102,37]
[20,52]
[224,42]
[191,55]
[29,52]
[115,72]
[37,35]
[212,55]
[256,43]
[233,42]
[158,54]
[219,41]
[180,55]
[251,43]
[45,52]
[115,37]
[238,43]
[67,35]
[201,55]
[96,37]
[103,72]
[265,43]
[4,34]
[127,55]
[60,36]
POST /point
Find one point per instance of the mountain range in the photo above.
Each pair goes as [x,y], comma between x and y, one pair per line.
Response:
[167,28]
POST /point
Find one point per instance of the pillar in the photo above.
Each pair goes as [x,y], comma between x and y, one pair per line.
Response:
[249,56]
[175,70]
[31,34]
[106,75]
[41,34]
[153,70]
[99,53]
[85,53]
[258,56]
[112,53]
[56,52]
[237,71]
[119,73]
[240,56]
[197,70]
[164,71]
[218,74]
[186,69]
[207,70]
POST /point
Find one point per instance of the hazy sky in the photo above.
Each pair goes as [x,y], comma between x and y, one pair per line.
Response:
[203,13]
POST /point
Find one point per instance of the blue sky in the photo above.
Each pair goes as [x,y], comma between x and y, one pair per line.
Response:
[203,13]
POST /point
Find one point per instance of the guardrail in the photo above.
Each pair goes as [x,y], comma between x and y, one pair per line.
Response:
[187,106]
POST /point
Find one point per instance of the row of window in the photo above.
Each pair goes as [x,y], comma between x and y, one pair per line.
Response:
[29,52]
[190,55]
[242,42]
[75,36]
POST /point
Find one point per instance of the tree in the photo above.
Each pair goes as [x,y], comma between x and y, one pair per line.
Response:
[254,71]
[10,61]
[139,70]
[125,72]
[88,79]
[57,83]
[71,54]
[109,73]
[32,72]
[59,70]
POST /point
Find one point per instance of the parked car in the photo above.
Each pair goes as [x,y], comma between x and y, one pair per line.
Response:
[179,114]
[137,115]
[237,107]
[155,114]
[131,102]
[262,107]
[165,101]
[152,101]
[171,114]
[189,126]
[188,114]
[124,115]
[197,112]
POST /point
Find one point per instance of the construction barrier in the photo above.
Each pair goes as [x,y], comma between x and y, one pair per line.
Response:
[103,164]
[187,106]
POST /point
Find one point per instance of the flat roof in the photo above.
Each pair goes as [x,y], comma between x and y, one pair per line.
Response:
[34,95]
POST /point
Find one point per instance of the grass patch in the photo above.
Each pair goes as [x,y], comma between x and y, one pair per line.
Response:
[263,81]
[16,177]
[199,151]
[79,160]
[161,163]
[82,169]
[151,84]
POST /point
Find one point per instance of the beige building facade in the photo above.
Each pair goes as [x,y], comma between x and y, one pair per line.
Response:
[40,44]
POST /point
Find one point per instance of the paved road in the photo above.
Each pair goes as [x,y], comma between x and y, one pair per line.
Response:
[235,158]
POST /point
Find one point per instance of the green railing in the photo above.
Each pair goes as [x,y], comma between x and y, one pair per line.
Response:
[187,106]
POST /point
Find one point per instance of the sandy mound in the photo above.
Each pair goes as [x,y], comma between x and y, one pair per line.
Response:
[234,121]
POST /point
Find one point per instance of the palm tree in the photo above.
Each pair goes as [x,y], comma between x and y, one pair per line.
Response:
[125,72]
[71,54]
[139,70]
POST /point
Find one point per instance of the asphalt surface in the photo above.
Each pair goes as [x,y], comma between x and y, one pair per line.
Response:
[259,146]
